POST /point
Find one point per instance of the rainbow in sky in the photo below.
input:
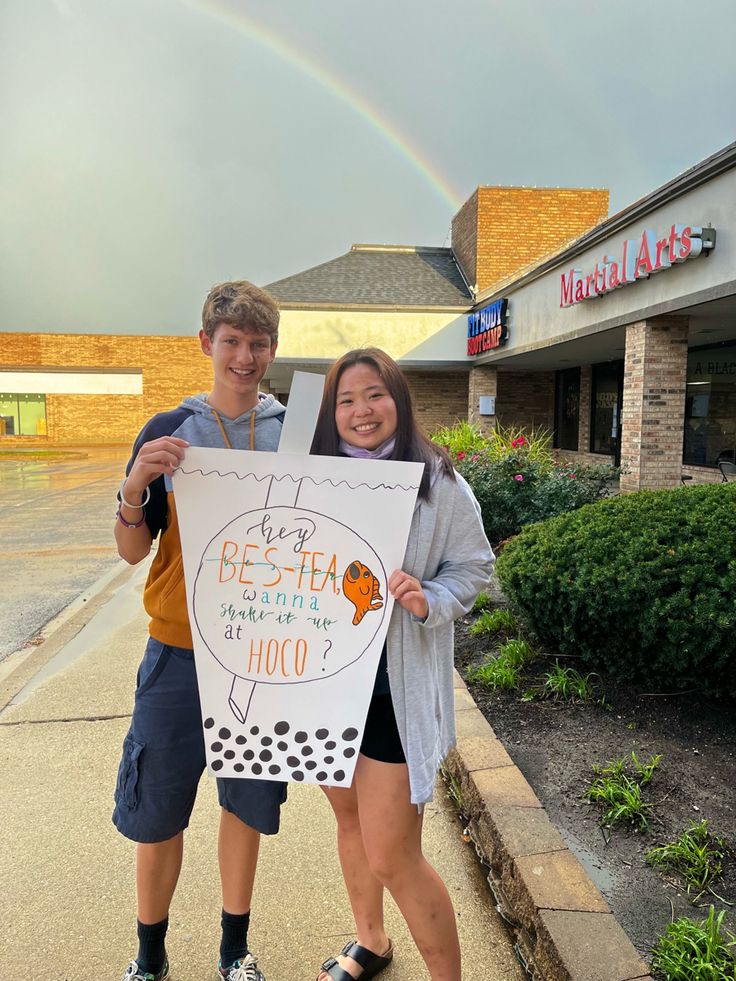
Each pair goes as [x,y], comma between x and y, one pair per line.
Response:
[336,86]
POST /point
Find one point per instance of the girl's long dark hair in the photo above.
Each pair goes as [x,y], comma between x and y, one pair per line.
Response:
[411,443]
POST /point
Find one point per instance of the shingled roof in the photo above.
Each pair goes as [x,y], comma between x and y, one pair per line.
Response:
[378,276]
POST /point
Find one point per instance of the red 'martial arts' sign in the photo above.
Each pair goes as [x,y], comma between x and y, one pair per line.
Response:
[638,259]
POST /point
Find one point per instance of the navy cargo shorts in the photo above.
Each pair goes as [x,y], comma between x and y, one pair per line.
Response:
[164,756]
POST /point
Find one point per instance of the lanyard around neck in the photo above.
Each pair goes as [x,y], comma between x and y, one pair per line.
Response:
[225,436]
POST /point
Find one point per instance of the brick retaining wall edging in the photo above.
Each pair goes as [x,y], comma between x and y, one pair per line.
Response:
[564,927]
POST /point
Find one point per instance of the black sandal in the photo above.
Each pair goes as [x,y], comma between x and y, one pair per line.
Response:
[371,963]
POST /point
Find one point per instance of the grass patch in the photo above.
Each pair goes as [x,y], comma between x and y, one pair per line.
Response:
[567,685]
[482,602]
[697,856]
[517,652]
[690,951]
[496,673]
[618,793]
[492,622]
[454,790]
[504,670]
[645,770]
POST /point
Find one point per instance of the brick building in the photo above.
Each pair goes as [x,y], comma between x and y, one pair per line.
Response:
[412,301]
[616,334]
[623,342]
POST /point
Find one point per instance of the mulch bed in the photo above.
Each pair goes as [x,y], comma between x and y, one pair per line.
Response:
[555,745]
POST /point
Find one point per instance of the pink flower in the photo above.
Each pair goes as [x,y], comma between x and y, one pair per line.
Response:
[572,476]
[461,455]
[475,458]
[519,477]
[519,441]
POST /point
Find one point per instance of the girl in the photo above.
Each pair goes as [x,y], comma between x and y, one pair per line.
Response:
[366,412]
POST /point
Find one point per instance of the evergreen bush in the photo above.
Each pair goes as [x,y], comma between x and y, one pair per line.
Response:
[640,586]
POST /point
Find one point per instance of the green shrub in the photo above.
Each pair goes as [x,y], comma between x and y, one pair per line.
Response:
[640,587]
[515,478]
[534,445]
[462,437]
[465,440]
[518,490]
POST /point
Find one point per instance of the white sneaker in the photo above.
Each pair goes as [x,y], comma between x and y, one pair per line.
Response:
[245,970]
[134,973]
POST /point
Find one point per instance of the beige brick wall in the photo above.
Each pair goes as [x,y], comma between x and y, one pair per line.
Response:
[464,236]
[517,225]
[584,458]
[586,394]
[514,226]
[703,475]
[483,380]
[439,398]
[99,418]
[655,377]
[172,368]
[526,399]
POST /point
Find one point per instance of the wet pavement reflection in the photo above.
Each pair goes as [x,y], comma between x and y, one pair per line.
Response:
[56,534]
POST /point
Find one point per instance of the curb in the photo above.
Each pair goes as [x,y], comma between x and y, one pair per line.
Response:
[25,664]
[564,929]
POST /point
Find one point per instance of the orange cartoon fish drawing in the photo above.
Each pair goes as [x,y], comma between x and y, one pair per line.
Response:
[360,586]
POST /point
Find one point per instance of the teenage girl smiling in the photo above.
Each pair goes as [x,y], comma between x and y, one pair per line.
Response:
[366,412]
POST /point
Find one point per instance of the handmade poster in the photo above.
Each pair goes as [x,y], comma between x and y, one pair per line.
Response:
[286,561]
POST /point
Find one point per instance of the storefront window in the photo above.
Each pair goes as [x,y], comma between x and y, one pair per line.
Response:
[22,415]
[567,408]
[710,406]
[606,397]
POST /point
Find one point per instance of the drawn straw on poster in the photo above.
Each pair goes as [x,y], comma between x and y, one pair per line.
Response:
[272,586]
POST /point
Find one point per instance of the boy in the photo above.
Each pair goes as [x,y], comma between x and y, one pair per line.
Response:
[163,753]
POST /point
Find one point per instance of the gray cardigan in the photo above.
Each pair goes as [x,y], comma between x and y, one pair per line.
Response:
[450,555]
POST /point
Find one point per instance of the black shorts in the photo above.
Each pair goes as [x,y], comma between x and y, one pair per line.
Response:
[381,737]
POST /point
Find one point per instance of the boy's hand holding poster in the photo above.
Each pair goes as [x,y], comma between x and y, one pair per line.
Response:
[287,560]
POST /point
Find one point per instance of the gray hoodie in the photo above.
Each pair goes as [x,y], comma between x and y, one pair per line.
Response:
[449,553]
[201,428]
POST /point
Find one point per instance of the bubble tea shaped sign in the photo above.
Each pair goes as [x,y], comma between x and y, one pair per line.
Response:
[269,567]
[287,574]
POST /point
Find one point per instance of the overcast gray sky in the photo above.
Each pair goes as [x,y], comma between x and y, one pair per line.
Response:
[154,147]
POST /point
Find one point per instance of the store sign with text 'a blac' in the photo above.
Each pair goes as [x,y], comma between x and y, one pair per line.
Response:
[638,258]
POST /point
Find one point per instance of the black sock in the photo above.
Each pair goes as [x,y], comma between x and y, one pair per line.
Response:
[234,943]
[151,948]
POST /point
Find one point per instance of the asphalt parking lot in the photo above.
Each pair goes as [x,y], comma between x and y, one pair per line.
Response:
[56,535]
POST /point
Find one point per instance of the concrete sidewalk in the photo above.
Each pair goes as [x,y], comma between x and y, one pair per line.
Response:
[67,897]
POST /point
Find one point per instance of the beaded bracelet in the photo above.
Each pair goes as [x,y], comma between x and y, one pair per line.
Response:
[146,497]
[130,524]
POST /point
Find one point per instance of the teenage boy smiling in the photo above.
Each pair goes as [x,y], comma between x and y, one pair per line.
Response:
[163,752]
